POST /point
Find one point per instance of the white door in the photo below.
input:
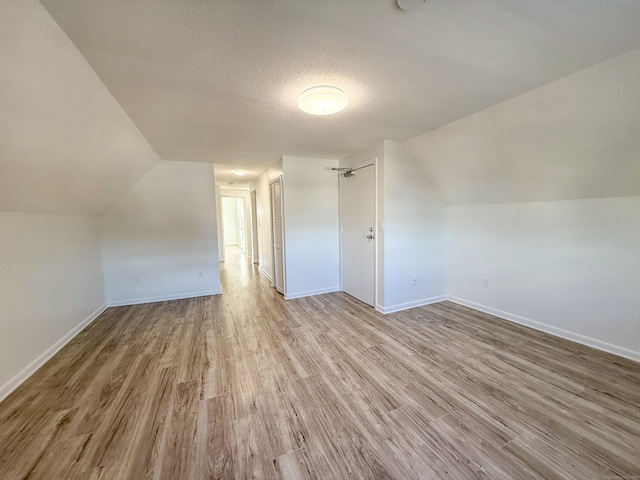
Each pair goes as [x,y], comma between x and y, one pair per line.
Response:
[278,236]
[357,200]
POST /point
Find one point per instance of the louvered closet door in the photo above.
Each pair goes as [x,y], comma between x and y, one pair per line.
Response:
[276,215]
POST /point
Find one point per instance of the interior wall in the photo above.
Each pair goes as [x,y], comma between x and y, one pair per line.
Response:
[219,224]
[570,267]
[66,144]
[414,233]
[573,138]
[312,226]
[230,220]
[159,241]
[265,238]
[263,207]
[254,227]
[52,286]
[245,195]
[248,225]
[376,154]
[530,183]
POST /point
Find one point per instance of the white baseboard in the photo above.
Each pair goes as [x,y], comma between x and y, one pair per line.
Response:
[405,306]
[30,369]
[265,274]
[162,298]
[543,327]
[310,293]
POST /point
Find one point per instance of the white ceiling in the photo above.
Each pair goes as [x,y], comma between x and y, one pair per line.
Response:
[575,138]
[217,81]
[66,145]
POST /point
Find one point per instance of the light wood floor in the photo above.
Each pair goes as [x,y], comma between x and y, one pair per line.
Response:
[246,385]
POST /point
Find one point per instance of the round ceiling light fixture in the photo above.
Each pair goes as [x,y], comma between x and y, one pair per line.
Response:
[410,5]
[323,100]
[239,173]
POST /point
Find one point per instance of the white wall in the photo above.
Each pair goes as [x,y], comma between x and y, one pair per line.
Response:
[219,225]
[312,226]
[52,286]
[244,194]
[249,234]
[573,138]
[411,223]
[263,210]
[414,233]
[158,237]
[230,220]
[66,144]
[253,215]
[571,267]
[534,179]
[374,153]
[263,207]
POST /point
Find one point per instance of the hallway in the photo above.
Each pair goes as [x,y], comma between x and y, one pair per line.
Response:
[246,385]
[238,274]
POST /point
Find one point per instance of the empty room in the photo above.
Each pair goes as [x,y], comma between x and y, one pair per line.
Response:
[341,239]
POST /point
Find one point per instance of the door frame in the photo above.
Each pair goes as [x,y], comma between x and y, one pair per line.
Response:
[377,227]
[220,225]
[278,179]
[247,222]
[253,198]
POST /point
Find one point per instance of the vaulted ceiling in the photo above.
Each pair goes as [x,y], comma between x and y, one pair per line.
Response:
[575,138]
[66,145]
[217,81]
[89,104]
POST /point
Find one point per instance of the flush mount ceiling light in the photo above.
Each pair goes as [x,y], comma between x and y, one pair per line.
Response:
[323,100]
[409,5]
[239,173]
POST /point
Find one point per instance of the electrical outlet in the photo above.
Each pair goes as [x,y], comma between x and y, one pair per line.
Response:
[485,282]
[200,274]
[414,280]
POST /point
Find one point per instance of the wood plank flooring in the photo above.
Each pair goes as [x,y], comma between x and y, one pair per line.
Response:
[245,385]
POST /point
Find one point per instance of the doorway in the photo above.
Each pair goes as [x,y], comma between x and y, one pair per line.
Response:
[234,223]
[358,222]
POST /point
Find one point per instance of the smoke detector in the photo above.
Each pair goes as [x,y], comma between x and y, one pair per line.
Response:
[410,5]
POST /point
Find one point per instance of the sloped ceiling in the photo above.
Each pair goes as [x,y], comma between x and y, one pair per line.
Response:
[577,137]
[66,145]
[217,81]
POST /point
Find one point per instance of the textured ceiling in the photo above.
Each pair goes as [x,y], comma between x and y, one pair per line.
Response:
[575,138]
[217,81]
[66,145]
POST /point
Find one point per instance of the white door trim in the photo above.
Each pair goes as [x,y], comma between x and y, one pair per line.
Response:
[278,180]
[253,200]
[246,221]
[371,161]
